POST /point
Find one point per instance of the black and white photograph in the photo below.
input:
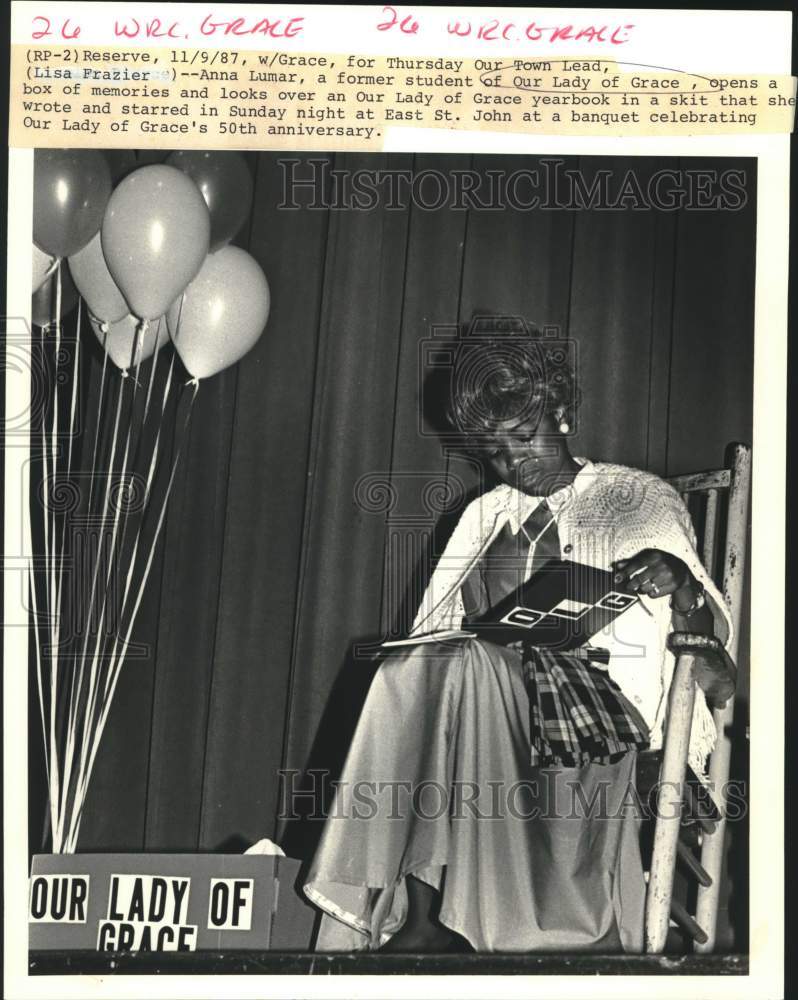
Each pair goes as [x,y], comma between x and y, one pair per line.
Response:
[389,595]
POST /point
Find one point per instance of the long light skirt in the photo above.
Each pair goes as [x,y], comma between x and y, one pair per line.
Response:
[438,784]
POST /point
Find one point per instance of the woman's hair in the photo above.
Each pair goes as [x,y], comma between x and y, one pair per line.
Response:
[504,370]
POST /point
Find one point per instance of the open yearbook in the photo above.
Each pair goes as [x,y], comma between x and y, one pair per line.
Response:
[560,606]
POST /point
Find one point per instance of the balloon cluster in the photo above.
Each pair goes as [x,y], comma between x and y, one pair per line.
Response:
[155,247]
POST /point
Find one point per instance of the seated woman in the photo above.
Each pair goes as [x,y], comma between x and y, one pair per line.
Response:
[487,799]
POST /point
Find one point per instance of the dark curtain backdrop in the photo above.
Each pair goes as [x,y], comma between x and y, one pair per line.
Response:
[278,556]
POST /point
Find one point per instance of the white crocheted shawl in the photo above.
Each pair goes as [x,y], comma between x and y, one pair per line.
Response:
[610,512]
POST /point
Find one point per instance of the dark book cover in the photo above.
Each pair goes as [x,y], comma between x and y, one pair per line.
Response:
[561,606]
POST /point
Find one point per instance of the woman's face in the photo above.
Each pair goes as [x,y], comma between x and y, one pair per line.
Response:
[530,456]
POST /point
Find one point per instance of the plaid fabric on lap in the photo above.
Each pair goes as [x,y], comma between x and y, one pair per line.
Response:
[577,713]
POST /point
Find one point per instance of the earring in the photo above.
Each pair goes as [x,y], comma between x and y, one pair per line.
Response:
[564,427]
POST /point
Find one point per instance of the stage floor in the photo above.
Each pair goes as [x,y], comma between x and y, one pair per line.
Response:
[325,963]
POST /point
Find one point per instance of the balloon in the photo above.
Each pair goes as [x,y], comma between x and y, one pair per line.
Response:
[221,314]
[95,284]
[70,191]
[226,185]
[120,339]
[42,308]
[155,237]
[42,263]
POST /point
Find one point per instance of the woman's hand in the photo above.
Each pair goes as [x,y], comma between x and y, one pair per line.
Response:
[655,574]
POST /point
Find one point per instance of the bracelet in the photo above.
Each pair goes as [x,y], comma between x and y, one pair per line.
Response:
[698,602]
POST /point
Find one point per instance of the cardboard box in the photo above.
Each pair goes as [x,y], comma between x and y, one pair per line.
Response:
[167,902]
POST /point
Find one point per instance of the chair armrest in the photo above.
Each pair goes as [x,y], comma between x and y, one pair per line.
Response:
[715,672]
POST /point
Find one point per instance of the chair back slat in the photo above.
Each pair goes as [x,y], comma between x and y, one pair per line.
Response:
[706,496]
[718,502]
[734,558]
[698,481]
[737,536]
[710,531]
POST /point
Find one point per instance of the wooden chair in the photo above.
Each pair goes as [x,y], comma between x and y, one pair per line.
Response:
[707,494]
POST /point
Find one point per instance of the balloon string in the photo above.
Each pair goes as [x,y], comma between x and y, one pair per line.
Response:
[104,331]
[147,489]
[53,482]
[75,375]
[51,267]
[138,350]
[150,385]
[176,334]
[53,776]
[77,672]
[60,561]
[46,527]
[118,654]
[141,332]
[135,355]
[89,717]
[154,456]
[152,369]
[96,671]
[112,559]
[71,733]
[40,685]
[49,559]
[68,477]
[147,492]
